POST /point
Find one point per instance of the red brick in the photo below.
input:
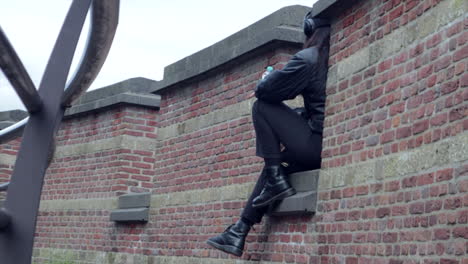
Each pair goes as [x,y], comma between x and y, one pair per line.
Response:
[458,113]
[460,54]
[425,179]
[420,126]
[362,190]
[392,186]
[352,260]
[385,65]
[433,205]
[444,175]
[417,208]
[449,261]
[400,58]
[387,137]
[433,41]
[442,63]
[389,237]
[452,203]
[376,93]
[419,49]
[414,102]
[403,132]
[396,13]
[425,72]
[382,212]
[455,29]
[410,4]
[464,80]
[439,119]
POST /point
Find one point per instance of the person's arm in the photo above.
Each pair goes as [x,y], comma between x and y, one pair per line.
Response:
[287,83]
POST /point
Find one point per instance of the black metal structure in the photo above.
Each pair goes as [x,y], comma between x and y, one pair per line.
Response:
[46,107]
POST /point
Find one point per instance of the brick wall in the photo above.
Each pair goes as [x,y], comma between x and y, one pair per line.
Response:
[98,157]
[200,169]
[8,152]
[393,185]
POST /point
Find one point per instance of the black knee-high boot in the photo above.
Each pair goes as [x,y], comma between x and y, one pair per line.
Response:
[232,240]
[277,187]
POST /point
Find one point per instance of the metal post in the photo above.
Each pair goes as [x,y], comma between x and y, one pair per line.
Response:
[22,203]
[18,218]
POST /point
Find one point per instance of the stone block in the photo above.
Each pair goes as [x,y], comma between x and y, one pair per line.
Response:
[130,215]
[305,180]
[134,200]
[304,201]
[300,203]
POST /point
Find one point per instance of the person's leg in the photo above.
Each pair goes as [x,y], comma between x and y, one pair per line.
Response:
[291,128]
[255,215]
[232,240]
[277,123]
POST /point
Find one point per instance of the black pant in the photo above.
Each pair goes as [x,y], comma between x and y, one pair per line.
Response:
[277,124]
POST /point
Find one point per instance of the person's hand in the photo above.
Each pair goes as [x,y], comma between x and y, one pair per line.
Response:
[251,95]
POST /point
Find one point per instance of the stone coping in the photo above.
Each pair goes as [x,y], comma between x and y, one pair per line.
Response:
[4,124]
[147,100]
[12,116]
[330,8]
[129,92]
[133,85]
[284,25]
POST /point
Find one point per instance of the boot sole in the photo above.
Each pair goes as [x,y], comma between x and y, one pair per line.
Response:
[228,249]
[279,196]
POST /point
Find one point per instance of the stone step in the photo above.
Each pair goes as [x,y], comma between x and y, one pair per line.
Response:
[130,215]
[304,181]
[133,207]
[304,201]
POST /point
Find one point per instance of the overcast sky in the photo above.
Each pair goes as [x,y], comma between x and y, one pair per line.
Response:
[151,34]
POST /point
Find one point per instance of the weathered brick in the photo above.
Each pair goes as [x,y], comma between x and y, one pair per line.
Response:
[417,208]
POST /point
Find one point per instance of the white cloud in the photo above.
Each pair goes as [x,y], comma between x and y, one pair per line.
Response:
[151,34]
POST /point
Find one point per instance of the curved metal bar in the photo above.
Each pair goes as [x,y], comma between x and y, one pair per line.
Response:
[18,76]
[105,15]
[24,191]
[4,186]
[13,131]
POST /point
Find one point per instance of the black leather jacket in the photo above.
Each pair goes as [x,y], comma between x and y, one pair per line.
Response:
[304,74]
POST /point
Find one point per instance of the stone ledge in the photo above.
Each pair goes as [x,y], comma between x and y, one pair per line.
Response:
[300,203]
[145,100]
[133,85]
[13,115]
[330,8]
[133,207]
[134,200]
[283,25]
[305,201]
[130,215]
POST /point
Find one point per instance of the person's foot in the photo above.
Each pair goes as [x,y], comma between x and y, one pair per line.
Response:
[232,240]
[277,187]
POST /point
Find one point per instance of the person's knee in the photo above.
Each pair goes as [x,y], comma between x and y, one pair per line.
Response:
[255,107]
[258,106]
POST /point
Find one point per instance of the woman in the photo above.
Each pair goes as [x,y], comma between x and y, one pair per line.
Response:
[277,125]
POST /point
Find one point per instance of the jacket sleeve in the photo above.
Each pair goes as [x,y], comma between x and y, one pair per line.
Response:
[284,84]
